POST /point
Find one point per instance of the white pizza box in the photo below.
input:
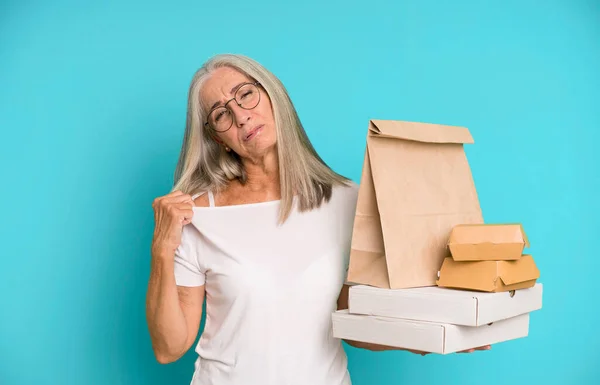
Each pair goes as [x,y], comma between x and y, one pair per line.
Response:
[433,337]
[444,305]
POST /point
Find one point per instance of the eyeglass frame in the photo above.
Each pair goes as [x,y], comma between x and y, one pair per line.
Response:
[258,86]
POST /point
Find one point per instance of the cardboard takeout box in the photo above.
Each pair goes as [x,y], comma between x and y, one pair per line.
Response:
[416,185]
[489,276]
[437,304]
[434,337]
[492,242]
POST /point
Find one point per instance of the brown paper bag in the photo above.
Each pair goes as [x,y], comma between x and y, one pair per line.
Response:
[416,185]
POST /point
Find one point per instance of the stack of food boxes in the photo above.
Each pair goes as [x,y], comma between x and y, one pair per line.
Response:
[485,292]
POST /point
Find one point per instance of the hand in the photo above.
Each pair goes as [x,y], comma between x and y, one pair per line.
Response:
[485,347]
[171,213]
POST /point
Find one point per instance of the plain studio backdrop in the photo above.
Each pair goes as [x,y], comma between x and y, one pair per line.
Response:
[92,111]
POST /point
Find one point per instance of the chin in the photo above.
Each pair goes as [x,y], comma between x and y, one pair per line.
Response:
[263,141]
[264,146]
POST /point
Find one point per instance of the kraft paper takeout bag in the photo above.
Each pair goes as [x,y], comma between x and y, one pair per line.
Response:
[416,185]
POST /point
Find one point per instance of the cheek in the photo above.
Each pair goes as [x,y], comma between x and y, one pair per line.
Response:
[229,136]
[223,138]
[266,108]
[267,114]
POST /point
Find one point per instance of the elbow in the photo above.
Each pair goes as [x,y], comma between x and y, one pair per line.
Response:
[165,360]
[167,357]
[168,350]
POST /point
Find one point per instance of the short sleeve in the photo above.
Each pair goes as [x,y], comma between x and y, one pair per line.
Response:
[188,271]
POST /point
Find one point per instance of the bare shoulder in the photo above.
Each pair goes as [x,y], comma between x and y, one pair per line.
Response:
[201,201]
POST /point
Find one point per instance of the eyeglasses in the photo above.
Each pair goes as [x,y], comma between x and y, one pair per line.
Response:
[247,97]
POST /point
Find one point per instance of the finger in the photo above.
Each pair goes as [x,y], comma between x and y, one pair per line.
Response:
[167,197]
[186,216]
[183,198]
[185,206]
[173,194]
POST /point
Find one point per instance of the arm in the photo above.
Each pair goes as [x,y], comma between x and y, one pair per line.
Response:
[342,303]
[173,312]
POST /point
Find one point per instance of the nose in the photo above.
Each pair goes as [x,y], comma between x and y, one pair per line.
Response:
[240,115]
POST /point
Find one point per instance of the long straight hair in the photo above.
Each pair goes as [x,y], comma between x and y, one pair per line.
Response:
[204,165]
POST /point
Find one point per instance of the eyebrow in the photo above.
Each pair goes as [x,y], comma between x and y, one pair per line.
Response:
[233,91]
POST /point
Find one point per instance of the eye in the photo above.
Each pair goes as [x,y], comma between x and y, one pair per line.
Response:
[245,94]
[219,115]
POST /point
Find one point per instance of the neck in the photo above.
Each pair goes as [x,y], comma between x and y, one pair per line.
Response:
[263,174]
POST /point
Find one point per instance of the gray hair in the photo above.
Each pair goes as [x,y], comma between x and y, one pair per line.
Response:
[204,165]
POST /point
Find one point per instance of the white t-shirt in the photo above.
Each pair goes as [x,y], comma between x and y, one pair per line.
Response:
[270,291]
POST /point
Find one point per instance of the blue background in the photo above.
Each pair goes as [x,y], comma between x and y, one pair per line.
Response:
[92,111]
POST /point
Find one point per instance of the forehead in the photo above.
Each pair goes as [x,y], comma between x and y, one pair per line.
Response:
[219,84]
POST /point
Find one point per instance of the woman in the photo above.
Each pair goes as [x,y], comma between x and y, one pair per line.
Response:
[260,227]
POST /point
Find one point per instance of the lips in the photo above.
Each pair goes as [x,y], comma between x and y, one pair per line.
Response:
[252,133]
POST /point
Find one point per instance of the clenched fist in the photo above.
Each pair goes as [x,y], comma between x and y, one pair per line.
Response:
[171,213]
